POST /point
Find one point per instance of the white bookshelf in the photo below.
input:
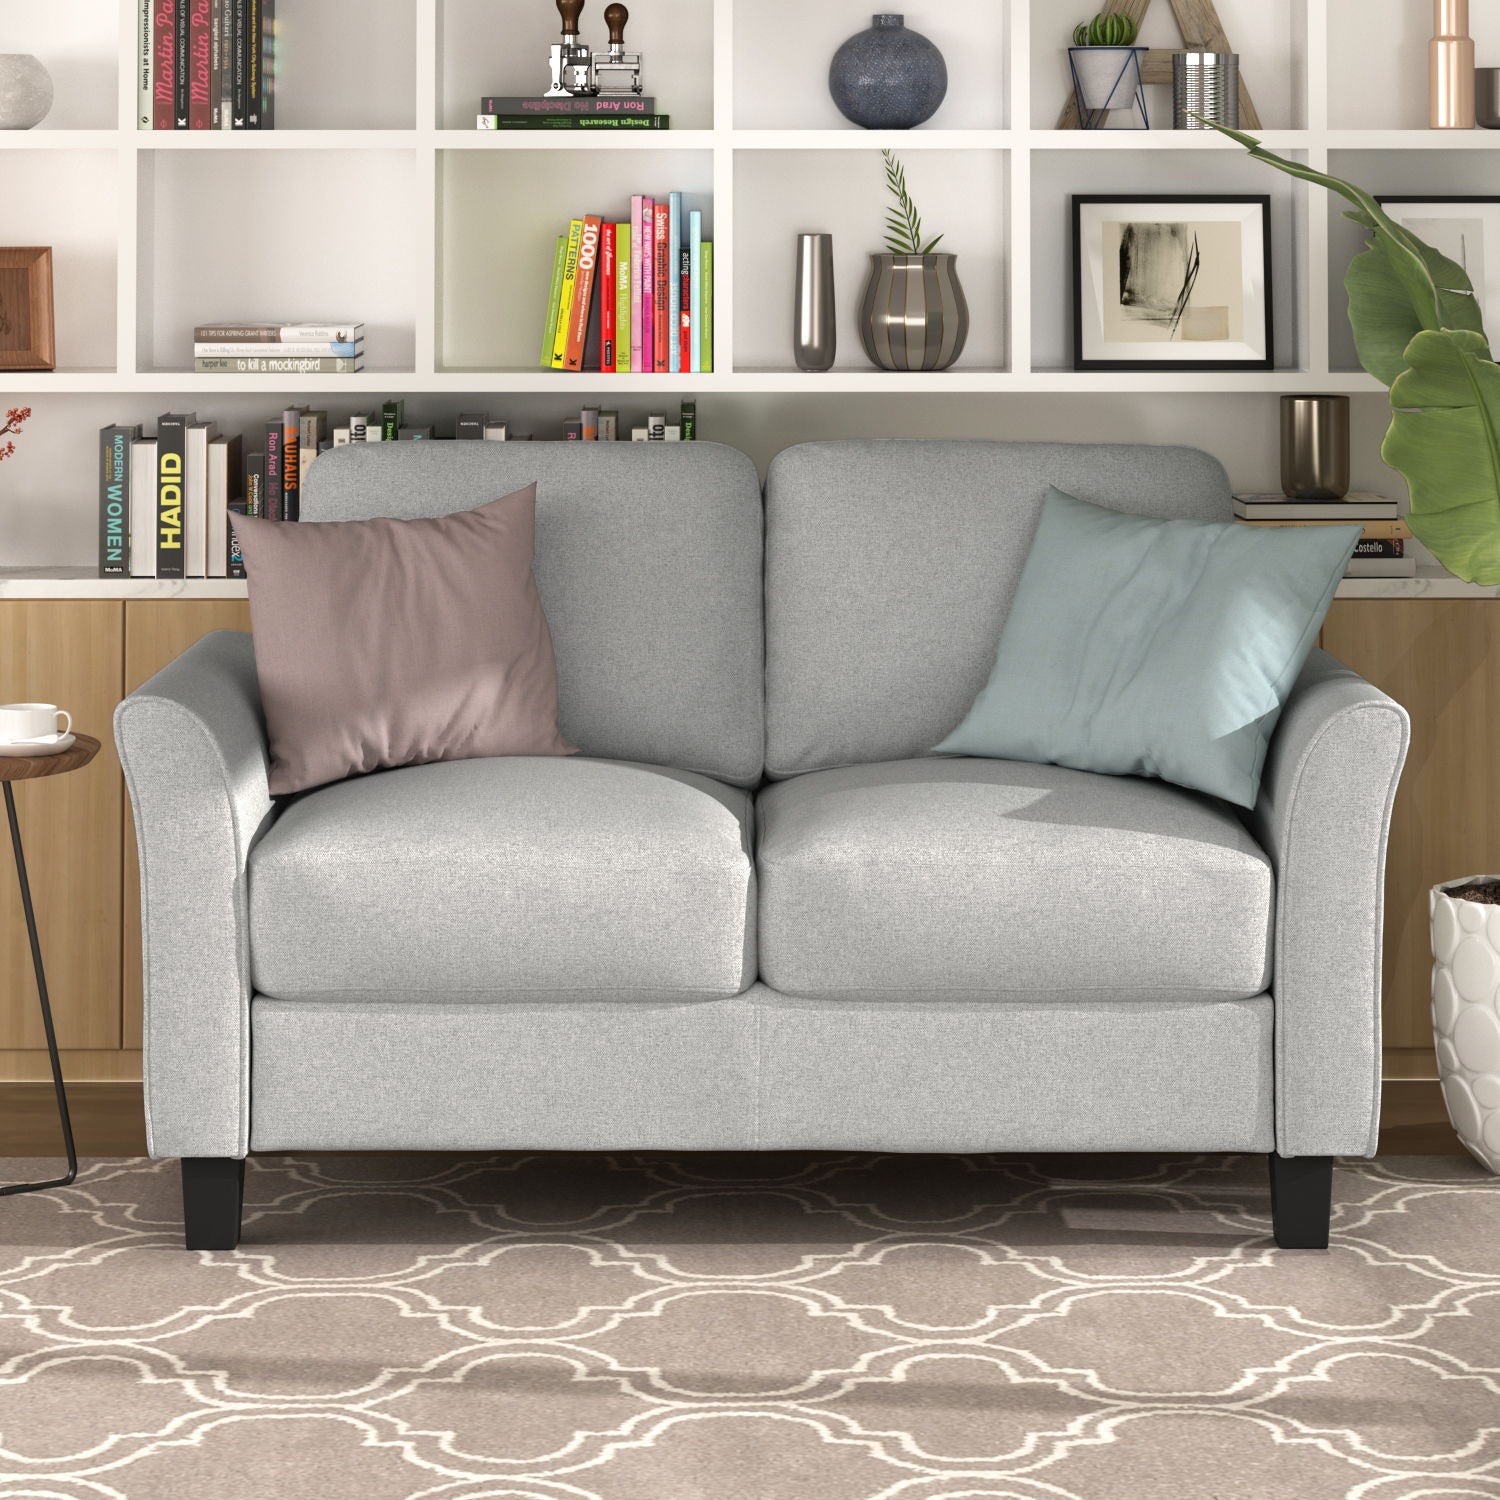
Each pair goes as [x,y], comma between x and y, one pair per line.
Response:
[440,236]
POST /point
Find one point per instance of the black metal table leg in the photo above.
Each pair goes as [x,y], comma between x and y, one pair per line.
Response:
[41,990]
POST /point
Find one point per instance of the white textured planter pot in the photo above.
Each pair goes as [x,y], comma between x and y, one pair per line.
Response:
[1108,77]
[1466,1015]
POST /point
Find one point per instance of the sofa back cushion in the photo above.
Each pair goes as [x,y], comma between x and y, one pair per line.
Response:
[648,559]
[890,568]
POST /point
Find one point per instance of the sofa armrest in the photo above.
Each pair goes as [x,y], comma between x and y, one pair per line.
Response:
[1323,818]
[193,745]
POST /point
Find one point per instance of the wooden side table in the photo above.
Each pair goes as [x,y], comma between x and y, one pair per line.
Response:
[29,768]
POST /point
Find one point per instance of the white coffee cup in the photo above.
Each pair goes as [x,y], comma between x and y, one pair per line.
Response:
[24,722]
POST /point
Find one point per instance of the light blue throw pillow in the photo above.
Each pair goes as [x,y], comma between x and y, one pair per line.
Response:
[1138,647]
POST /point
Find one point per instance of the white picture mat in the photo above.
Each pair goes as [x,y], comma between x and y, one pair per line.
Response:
[1445,225]
[1249,217]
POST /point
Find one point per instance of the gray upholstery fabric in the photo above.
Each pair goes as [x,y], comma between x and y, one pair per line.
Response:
[890,568]
[648,559]
[764,1071]
[1323,817]
[478,879]
[1008,880]
[192,743]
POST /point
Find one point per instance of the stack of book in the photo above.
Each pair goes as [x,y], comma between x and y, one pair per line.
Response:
[603,112]
[596,426]
[633,298]
[329,347]
[1380,553]
[206,64]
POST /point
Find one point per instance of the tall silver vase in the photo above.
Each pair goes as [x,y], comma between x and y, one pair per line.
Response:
[815,335]
[914,315]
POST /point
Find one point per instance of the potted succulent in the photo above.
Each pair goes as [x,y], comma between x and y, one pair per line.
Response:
[914,315]
[1106,66]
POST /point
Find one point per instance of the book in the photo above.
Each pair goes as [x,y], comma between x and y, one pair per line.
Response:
[565,301]
[255,484]
[573,432]
[295,364]
[145,65]
[239,82]
[623,289]
[199,64]
[268,43]
[598,105]
[1381,567]
[471,425]
[291,463]
[572,122]
[224,471]
[392,419]
[496,432]
[300,349]
[1382,530]
[312,435]
[609,426]
[223,80]
[695,296]
[1358,505]
[661,298]
[359,427]
[164,66]
[675,228]
[608,299]
[182,30]
[588,421]
[273,471]
[645,361]
[554,301]
[656,429]
[689,421]
[591,337]
[234,561]
[682,335]
[171,465]
[329,331]
[414,434]
[254,26]
[706,335]
[143,472]
[583,291]
[114,500]
[195,499]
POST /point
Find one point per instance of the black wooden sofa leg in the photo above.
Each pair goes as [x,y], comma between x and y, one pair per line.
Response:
[1301,1201]
[213,1193]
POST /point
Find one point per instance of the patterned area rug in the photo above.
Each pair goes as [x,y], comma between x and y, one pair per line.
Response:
[753,1328]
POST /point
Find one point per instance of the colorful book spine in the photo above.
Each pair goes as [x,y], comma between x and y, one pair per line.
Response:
[180,64]
[171,462]
[581,104]
[255,485]
[164,49]
[588,421]
[689,421]
[565,302]
[624,289]
[239,80]
[295,364]
[223,64]
[234,563]
[291,467]
[199,64]
[145,64]
[254,21]
[554,301]
[608,300]
[675,227]
[695,296]
[273,471]
[249,349]
[583,292]
[114,500]
[280,333]
[661,300]
[647,278]
[572,122]
[683,334]
[143,479]
[392,420]
[706,338]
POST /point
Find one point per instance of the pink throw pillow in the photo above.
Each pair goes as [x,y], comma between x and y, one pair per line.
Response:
[392,643]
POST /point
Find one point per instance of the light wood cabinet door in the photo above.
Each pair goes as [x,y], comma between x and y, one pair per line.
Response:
[1438,658]
[67,652]
[156,633]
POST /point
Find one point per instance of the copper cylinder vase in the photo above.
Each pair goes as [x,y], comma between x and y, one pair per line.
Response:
[1315,447]
[1451,67]
[914,315]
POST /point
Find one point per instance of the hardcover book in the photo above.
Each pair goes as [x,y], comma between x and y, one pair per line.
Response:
[586,275]
[273,471]
[608,299]
[601,105]
[637,280]
[239,82]
[565,303]
[234,562]
[114,500]
[224,470]
[554,301]
[331,332]
[662,278]
[294,364]
[143,478]
[647,277]
[695,298]
[624,286]
[392,418]
[291,463]
[299,349]
[675,227]
[254,26]
[195,500]
[255,484]
[706,337]
[145,63]
[682,337]
[199,64]
[164,51]
[181,63]
[471,425]
[573,122]
[171,469]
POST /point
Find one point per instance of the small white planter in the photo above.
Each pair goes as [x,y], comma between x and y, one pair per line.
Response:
[1107,77]
[1466,1015]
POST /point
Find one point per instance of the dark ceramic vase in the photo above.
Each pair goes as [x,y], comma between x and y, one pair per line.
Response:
[888,78]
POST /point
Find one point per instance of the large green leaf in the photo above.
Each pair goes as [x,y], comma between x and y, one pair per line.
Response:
[1445,441]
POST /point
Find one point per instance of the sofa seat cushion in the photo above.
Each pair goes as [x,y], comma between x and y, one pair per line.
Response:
[1010,880]
[515,878]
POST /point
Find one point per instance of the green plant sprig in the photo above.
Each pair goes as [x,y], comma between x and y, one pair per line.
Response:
[1113,30]
[903,223]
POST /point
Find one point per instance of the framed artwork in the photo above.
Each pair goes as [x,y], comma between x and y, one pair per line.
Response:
[1466,230]
[26,337]
[1183,282]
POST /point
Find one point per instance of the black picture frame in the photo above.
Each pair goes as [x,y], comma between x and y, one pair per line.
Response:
[1082,364]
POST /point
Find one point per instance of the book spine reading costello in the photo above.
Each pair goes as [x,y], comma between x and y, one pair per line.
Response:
[583,291]
[608,299]
[146,66]
[171,463]
[164,52]
[554,301]
[200,63]
[114,500]
[623,284]
[565,303]
[661,302]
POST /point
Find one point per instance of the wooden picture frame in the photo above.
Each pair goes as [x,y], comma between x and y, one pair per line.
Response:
[27,336]
[1147,340]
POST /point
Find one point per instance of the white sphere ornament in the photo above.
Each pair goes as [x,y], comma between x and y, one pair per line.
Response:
[1466,1014]
[25,91]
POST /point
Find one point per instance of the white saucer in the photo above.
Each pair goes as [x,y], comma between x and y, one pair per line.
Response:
[51,744]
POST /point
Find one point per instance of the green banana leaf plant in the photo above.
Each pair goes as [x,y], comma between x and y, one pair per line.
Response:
[1419,329]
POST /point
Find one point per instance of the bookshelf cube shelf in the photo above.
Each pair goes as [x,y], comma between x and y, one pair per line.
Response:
[500,47]
[346,65]
[495,264]
[962,195]
[232,235]
[782,49]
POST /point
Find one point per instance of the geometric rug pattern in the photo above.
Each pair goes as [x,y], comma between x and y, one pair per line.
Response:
[757,1327]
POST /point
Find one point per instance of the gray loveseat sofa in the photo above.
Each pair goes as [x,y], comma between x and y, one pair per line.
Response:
[756,913]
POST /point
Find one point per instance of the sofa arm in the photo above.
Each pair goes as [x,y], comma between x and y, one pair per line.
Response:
[193,745]
[1323,819]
